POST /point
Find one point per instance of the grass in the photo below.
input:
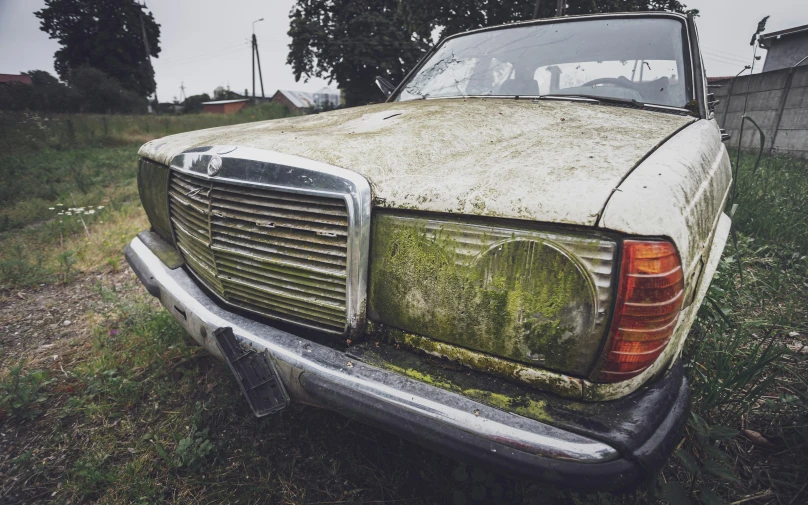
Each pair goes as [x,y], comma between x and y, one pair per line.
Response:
[43,177]
[133,411]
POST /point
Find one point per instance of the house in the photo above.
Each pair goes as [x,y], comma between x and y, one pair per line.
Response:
[786,48]
[225,106]
[15,78]
[297,102]
[327,98]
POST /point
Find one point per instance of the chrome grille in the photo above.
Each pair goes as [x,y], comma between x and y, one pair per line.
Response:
[279,254]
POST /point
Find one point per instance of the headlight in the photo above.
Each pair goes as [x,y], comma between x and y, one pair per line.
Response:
[152,184]
[535,296]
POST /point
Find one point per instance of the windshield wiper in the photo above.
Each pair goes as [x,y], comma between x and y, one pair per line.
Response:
[614,101]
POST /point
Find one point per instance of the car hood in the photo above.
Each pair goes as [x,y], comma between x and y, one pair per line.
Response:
[550,161]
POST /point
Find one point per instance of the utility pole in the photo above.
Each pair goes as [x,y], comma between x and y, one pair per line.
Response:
[148,51]
[182,91]
[256,57]
[560,8]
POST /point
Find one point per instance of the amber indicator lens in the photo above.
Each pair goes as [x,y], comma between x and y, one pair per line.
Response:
[649,300]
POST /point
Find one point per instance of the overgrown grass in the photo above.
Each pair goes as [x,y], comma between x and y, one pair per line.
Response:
[52,164]
[28,131]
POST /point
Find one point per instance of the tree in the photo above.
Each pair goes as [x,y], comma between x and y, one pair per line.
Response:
[193,103]
[106,35]
[353,41]
[101,93]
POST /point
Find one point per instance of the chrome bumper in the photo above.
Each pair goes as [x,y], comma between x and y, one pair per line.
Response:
[318,375]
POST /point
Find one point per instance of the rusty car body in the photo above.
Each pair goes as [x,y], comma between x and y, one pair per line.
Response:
[500,273]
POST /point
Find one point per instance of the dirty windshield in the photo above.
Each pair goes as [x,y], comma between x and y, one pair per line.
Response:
[640,59]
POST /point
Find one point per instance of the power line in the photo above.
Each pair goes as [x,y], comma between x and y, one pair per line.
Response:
[210,56]
[722,59]
[718,51]
[736,60]
[204,55]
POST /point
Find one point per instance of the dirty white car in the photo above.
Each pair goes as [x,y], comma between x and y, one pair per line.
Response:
[501,262]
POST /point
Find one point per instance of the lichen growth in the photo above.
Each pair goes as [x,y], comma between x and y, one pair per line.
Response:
[544,380]
[515,297]
[521,405]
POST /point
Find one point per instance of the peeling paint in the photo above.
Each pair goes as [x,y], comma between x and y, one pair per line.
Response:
[487,157]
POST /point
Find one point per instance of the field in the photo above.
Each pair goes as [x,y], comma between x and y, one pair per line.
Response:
[105,399]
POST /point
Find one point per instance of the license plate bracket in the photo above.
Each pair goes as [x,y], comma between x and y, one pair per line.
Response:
[255,372]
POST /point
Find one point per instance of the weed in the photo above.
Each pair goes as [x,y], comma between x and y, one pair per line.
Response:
[66,262]
[90,475]
[193,451]
[21,392]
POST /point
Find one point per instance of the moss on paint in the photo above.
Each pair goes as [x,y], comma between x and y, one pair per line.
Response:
[544,380]
[521,405]
[518,297]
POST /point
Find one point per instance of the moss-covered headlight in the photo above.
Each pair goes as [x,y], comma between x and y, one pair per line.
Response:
[152,184]
[533,296]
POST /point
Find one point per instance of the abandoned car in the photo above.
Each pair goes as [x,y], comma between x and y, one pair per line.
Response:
[501,261]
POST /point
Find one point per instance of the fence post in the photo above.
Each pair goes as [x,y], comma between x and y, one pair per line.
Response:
[729,98]
[782,106]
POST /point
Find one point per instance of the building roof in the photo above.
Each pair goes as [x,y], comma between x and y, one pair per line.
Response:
[767,37]
[328,91]
[222,102]
[299,99]
[24,79]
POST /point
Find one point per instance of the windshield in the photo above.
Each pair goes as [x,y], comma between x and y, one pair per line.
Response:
[640,59]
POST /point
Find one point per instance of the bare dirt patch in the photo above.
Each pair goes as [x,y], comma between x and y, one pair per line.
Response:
[34,321]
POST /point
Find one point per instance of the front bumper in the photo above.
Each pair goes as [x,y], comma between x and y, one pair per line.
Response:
[507,443]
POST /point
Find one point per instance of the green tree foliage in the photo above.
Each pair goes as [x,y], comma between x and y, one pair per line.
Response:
[353,41]
[90,90]
[193,103]
[106,35]
[101,93]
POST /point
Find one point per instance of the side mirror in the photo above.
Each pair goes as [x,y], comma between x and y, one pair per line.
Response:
[385,86]
[724,135]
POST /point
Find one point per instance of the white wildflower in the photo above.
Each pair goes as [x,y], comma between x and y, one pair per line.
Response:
[91,211]
[51,208]
[100,207]
[59,205]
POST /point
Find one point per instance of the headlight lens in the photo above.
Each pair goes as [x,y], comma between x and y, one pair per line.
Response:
[538,297]
[152,184]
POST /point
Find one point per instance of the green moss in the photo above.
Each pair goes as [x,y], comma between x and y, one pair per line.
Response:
[522,405]
[519,298]
[506,369]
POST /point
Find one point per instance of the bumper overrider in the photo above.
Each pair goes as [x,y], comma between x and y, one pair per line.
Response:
[612,446]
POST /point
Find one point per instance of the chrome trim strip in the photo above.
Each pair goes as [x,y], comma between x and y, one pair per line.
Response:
[247,166]
[296,357]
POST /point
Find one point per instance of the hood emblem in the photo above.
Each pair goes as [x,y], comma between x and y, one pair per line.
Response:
[214,165]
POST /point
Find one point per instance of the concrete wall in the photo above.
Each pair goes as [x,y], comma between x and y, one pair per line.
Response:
[786,52]
[769,97]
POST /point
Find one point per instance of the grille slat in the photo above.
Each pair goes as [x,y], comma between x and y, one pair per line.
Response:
[270,221]
[278,204]
[275,253]
[304,239]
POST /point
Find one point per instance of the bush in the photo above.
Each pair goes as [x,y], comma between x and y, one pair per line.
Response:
[89,90]
[101,93]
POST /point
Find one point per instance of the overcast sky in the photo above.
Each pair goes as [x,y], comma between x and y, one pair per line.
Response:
[205,43]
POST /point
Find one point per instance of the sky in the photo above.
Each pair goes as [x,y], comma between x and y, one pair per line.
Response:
[205,45]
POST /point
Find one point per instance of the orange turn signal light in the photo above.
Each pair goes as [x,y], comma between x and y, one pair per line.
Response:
[649,300]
